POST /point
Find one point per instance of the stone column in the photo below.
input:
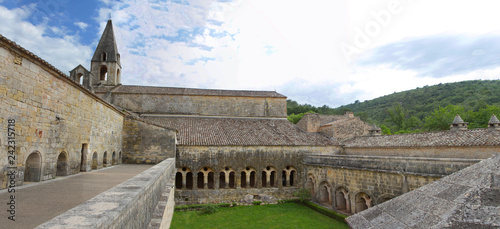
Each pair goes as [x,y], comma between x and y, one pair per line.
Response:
[195,181]
[226,178]
[205,180]
[183,180]
[268,179]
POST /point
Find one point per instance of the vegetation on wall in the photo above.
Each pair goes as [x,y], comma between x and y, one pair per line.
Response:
[430,108]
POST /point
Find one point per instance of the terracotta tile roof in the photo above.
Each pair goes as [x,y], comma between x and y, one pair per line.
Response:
[240,132]
[132,89]
[474,137]
[468,198]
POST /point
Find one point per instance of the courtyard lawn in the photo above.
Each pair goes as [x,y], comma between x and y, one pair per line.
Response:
[287,215]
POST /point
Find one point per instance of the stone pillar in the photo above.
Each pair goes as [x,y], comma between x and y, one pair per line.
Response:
[348,203]
[226,178]
[183,180]
[205,180]
[248,179]
[237,182]
[195,181]
[268,179]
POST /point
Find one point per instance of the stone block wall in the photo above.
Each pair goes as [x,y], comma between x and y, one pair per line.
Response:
[346,128]
[201,105]
[59,125]
[131,204]
[238,159]
[345,182]
[147,143]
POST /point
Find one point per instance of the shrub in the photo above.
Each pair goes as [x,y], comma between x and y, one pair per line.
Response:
[325,211]
[303,194]
[288,201]
[208,209]
[256,203]
[235,204]
[198,206]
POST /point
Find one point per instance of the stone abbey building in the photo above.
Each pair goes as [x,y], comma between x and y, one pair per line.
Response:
[227,144]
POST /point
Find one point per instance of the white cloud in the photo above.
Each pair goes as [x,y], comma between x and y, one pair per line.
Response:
[81,25]
[64,53]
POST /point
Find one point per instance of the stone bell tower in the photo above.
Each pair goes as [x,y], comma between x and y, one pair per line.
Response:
[105,64]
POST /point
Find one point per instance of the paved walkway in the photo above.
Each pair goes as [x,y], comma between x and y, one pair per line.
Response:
[39,202]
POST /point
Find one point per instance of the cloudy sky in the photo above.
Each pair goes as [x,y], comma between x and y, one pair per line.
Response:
[316,51]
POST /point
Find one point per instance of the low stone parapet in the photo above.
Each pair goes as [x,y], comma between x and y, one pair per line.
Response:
[127,205]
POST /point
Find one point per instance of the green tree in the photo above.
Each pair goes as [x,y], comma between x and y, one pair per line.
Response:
[397,115]
[441,118]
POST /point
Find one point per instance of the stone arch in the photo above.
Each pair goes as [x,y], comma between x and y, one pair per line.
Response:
[186,178]
[79,78]
[103,73]
[342,202]
[94,161]
[105,159]
[310,184]
[288,176]
[324,194]
[206,178]
[269,176]
[226,180]
[248,177]
[62,164]
[113,158]
[178,180]
[33,168]
[363,201]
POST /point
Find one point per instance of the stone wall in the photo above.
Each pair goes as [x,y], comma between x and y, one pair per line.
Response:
[345,128]
[238,159]
[342,182]
[147,143]
[470,152]
[127,205]
[59,125]
[201,105]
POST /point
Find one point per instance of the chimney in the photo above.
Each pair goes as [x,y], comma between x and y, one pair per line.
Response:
[458,124]
[494,124]
[375,131]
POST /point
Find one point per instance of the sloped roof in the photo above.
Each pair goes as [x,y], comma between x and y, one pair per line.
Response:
[132,89]
[239,132]
[107,44]
[469,198]
[474,137]
[493,120]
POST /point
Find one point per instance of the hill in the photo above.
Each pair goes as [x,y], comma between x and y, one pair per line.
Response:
[466,98]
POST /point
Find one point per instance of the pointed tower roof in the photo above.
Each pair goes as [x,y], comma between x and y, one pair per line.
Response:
[107,44]
[457,120]
[493,120]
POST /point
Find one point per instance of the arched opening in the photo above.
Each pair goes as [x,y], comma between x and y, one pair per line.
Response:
[104,56]
[200,180]
[105,159]
[118,76]
[324,194]
[292,177]
[62,165]
[178,180]
[120,157]
[113,158]
[340,200]
[283,178]
[189,180]
[232,180]
[310,184]
[79,78]
[252,179]
[103,73]
[363,202]
[33,169]
[243,179]
[264,179]
[272,179]
[222,179]
[83,160]
[211,180]
[94,160]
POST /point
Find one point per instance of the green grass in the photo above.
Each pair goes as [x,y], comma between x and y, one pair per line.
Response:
[287,215]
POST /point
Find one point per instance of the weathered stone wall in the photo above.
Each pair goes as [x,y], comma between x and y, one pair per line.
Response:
[218,159]
[55,118]
[147,143]
[128,205]
[470,152]
[346,128]
[376,178]
[201,105]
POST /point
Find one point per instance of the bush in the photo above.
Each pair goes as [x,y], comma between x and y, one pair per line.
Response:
[208,209]
[256,203]
[198,206]
[325,211]
[303,194]
[235,204]
[288,201]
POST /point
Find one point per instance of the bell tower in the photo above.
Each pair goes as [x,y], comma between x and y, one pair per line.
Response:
[105,64]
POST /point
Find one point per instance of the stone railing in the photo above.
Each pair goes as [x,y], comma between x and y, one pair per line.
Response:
[131,204]
[436,167]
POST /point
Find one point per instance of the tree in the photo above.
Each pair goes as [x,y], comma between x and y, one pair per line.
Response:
[397,115]
[441,118]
